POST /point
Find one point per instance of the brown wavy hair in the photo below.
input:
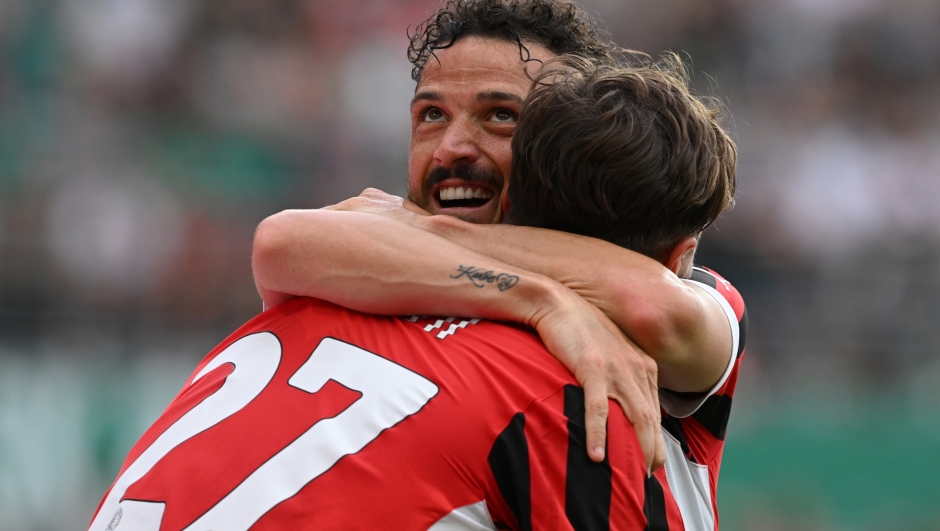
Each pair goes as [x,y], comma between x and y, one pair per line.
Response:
[558,25]
[625,153]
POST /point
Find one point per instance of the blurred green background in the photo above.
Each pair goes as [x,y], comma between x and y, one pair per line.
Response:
[141,141]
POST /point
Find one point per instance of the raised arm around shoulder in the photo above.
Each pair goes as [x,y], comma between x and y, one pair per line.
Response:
[380,265]
[679,325]
[370,264]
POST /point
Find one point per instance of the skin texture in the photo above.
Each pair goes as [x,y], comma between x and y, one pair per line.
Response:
[380,254]
[680,325]
[462,117]
[362,262]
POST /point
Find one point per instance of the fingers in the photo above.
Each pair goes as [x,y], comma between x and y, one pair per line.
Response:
[630,379]
[633,382]
[411,207]
[633,386]
[349,205]
[595,415]
[607,365]
[659,454]
[637,406]
[370,201]
[375,193]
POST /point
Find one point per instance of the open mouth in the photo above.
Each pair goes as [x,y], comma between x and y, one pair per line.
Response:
[467,196]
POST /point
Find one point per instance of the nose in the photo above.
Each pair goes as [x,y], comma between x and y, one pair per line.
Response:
[458,145]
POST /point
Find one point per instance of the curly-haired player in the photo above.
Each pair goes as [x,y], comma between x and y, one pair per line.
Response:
[627,155]
[314,416]
[471,85]
[558,26]
[524,33]
[473,80]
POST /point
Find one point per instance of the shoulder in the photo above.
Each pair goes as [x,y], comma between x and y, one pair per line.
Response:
[708,277]
[729,298]
[501,353]
[682,405]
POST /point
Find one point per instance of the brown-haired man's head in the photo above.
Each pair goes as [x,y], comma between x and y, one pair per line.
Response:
[470,60]
[622,153]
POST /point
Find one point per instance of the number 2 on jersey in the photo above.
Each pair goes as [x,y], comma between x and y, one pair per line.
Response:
[390,393]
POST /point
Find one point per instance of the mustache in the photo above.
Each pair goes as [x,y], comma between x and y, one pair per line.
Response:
[466,172]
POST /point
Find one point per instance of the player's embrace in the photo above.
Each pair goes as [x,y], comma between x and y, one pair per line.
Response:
[316,416]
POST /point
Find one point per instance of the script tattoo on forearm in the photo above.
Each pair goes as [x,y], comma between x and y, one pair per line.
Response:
[480,277]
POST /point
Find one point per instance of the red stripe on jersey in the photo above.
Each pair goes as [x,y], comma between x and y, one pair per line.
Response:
[417,467]
[628,468]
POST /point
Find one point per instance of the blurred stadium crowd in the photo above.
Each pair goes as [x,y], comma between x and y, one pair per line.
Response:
[141,141]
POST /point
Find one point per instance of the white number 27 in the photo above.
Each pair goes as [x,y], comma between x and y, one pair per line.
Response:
[390,393]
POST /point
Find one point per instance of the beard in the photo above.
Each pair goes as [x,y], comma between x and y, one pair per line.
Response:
[423,195]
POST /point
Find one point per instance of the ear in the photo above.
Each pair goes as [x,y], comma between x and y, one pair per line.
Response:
[680,258]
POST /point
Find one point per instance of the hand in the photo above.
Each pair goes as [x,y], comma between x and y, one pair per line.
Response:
[374,201]
[606,364]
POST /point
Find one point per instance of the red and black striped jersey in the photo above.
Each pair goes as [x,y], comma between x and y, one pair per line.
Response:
[683,494]
[312,416]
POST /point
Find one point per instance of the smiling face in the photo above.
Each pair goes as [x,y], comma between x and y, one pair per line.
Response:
[462,118]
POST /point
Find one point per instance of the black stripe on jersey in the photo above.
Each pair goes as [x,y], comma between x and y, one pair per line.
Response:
[509,462]
[654,508]
[742,332]
[674,427]
[588,484]
[700,275]
[714,414]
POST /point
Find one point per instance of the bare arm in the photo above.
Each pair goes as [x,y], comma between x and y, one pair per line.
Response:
[378,265]
[678,324]
[374,265]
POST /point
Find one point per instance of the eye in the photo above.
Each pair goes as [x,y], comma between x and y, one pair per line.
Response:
[504,115]
[433,114]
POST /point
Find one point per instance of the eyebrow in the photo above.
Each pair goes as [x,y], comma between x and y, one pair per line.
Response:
[489,95]
[426,96]
[498,96]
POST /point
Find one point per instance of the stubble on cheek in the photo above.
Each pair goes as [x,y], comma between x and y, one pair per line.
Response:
[417,196]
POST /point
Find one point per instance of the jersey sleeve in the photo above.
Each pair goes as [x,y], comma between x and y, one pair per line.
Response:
[682,405]
[544,479]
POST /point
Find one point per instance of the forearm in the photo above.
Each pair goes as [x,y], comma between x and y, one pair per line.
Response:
[638,293]
[666,318]
[382,266]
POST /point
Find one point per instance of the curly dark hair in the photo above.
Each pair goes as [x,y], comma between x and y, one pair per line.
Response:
[622,153]
[558,25]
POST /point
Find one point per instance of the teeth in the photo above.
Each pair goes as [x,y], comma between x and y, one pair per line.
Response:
[453,193]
